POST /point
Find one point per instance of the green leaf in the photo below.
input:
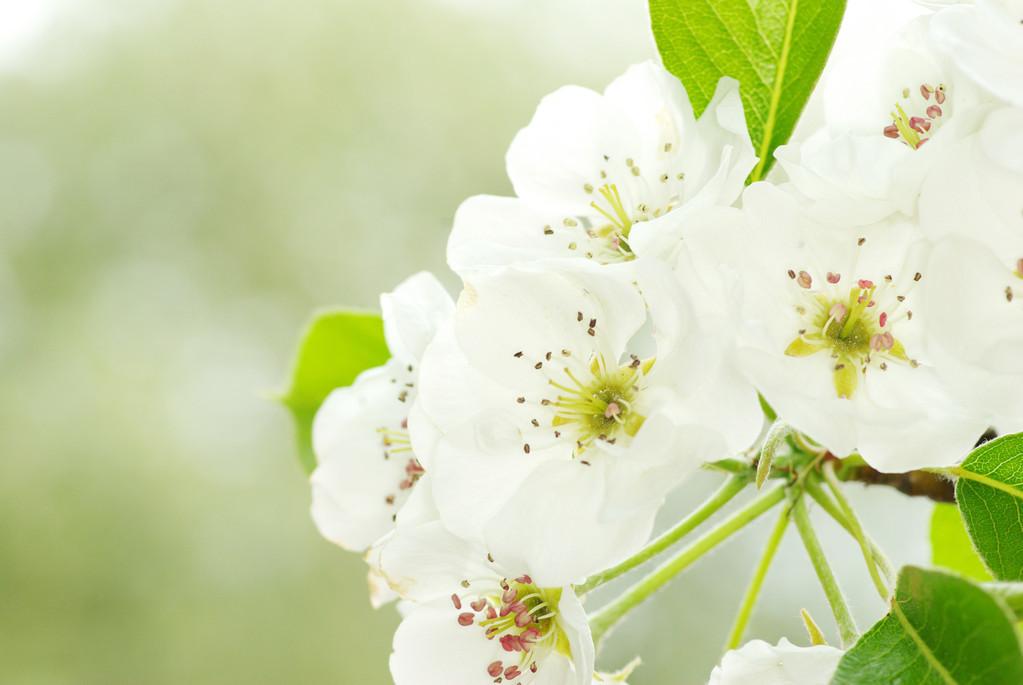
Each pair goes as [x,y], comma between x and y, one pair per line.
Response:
[336,347]
[941,630]
[989,490]
[776,49]
[950,544]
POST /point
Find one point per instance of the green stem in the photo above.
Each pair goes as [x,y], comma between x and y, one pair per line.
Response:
[732,487]
[609,615]
[855,528]
[846,626]
[814,489]
[753,591]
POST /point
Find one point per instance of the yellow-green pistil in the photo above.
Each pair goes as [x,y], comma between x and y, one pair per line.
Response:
[916,129]
[851,329]
[602,406]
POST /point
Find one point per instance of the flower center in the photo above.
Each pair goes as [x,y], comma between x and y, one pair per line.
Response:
[604,236]
[521,617]
[600,404]
[594,400]
[396,443]
[855,325]
[917,128]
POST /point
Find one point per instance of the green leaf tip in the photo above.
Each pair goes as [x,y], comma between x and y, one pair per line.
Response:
[776,49]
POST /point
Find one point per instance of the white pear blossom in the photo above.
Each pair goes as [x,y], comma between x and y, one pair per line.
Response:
[471,620]
[366,466]
[885,114]
[834,339]
[985,40]
[562,405]
[972,206]
[760,663]
[599,175]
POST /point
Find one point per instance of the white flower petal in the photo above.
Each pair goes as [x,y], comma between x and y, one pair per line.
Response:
[973,188]
[412,314]
[563,149]
[426,561]
[494,231]
[473,428]
[975,333]
[431,648]
[380,592]
[727,150]
[573,621]
[357,486]
[541,309]
[785,664]
[984,41]
[555,526]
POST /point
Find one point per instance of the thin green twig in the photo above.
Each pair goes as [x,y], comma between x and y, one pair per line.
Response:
[731,487]
[813,488]
[757,582]
[605,618]
[855,528]
[846,625]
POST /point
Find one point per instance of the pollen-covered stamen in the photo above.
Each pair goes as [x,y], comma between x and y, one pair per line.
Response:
[917,115]
[641,194]
[592,399]
[520,616]
[854,326]
[596,401]
[395,441]
[413,472]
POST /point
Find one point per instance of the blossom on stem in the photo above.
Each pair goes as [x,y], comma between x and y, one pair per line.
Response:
[608,176]
[834,339]
[566,402]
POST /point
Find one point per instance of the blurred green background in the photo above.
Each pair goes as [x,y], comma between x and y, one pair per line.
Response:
[181,183]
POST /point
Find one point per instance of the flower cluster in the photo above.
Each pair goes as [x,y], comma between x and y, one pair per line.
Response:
[620,314]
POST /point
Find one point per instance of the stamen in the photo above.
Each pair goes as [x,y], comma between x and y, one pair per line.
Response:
[856,331]
[915,130]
